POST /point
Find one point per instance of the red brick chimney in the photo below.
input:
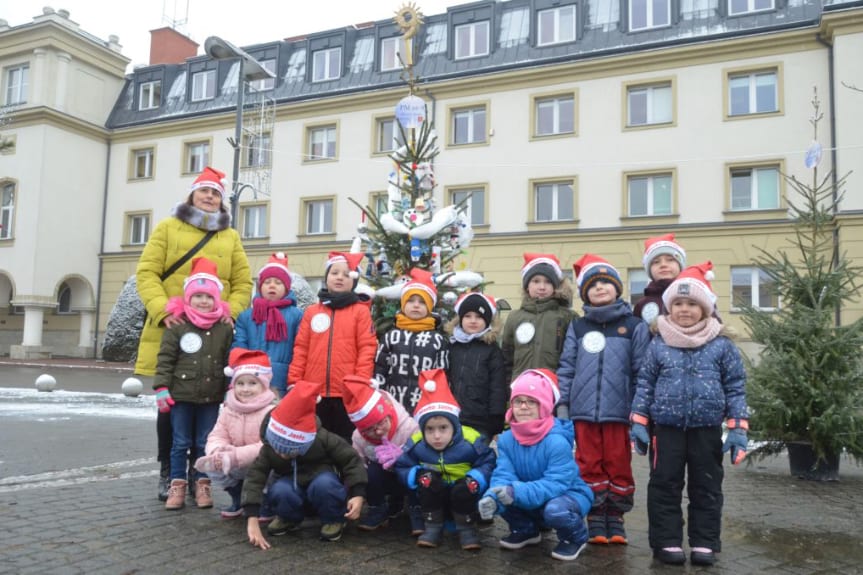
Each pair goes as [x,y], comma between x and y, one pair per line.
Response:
[167,46]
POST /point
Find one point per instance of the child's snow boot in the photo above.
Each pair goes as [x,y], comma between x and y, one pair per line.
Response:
[203,494]
[433,529]
[375,517]
[468,537]
[234,509]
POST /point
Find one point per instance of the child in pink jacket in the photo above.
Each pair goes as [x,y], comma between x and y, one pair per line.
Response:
[383,426]
[235,441]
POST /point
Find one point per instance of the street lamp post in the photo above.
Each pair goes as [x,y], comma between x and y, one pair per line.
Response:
[249,69]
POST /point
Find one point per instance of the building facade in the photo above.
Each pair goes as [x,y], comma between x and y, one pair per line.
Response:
[573,125]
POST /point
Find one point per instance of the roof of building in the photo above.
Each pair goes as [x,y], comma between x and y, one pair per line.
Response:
[601,31]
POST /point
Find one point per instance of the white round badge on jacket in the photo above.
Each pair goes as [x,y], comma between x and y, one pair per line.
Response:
[649,312]
[593,342]
[321,322]
[191,343]
[525,332]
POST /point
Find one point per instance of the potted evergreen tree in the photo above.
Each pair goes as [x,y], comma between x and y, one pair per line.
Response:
[806,390]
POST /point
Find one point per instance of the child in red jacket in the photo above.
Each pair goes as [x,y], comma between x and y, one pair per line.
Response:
[336,338]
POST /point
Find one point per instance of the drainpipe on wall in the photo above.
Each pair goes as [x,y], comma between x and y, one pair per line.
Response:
[834,178]
[101,252]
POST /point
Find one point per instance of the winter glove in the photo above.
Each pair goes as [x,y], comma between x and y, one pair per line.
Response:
[563,412]
[638,433]
[472,485]
[164,401]
[504,494]
[487,507]
[387,453]
[424,479]
[736,440]
[228,454]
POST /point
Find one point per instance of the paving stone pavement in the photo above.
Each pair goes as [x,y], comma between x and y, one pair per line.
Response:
[773,524]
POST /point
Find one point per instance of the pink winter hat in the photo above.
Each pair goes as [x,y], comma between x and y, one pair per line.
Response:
[541,385]
[204,278]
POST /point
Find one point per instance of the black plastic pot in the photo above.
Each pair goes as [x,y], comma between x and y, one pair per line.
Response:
[805,465]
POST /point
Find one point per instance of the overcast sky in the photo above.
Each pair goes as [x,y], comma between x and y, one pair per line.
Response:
[242,22]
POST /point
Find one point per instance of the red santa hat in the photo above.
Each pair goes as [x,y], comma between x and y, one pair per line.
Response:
[693,283]
[545,264]
[591,268]
[539,384]
[210,178]
[292,427]
[662,245]
[203,278]
[366,406]
[351,259]
[420,282]
[249,362]
[276,267]
[481,303]
[436,398]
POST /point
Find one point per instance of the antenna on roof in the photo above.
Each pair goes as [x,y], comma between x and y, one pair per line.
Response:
[175,20]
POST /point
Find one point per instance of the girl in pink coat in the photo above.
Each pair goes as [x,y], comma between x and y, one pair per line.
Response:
[383,426]
[235,441]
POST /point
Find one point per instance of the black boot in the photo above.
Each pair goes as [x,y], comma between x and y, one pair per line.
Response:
[234,509]
[164,482]
[433,529]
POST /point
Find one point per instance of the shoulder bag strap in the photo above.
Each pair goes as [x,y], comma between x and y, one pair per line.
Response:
[195,249]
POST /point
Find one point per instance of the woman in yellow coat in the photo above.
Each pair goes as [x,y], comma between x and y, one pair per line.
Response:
[173,237]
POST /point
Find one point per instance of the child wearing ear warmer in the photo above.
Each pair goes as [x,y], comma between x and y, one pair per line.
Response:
[691,379]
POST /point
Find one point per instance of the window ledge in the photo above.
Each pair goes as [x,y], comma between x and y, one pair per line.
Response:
[651,126]
[481,228]
[543,137]
[453,145]
[754,215]
[256,240]
[555,225]
[7,242]
[648,220]
[325,237]
[753,115]
[310,161]
[136,180]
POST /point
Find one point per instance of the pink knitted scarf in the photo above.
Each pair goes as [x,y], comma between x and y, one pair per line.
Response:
[529,432]
[204,320]
[688,337]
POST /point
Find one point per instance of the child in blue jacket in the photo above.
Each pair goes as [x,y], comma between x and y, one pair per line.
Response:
[271,324]
[691,379]
[536,482]
[448,465]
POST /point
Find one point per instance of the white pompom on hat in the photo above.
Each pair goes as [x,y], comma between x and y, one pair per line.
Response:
[436,398]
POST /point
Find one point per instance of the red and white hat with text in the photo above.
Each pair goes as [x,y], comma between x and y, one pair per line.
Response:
[353,261]
[662,245]
[249,362]
[436,398]
[421,283]
[293,427]
[545,264]
[203,278]
[210,178]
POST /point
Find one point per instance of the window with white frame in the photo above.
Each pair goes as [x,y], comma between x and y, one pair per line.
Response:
[736,7]
[7,210]
[646,105]
[142,164]
[553,201]
[139,229]
[755,188]
[389,137]
[644,14]
[204,85]
[379,203]
[555,116]
[390,49]
[197,156]
[471,40]
[556,25]
[254,221]
[258,150]
[319,216]
[267,83]
[468,125]
[475,203]
[649,194]
[326,64]
[753,93]
[150,95]
[322,143]
[64,299]
[16,84]
[637,280]
[752,286]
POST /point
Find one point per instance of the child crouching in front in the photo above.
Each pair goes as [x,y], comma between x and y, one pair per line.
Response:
[315,468]
[235,441]
[383,427]
[448,465]
[536,482]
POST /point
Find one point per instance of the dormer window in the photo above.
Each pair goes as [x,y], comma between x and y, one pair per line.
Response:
[472,40]
[556,26]
[736,7]
[390,48]
[150,95]
[204,85]
[645,14]
[326,64]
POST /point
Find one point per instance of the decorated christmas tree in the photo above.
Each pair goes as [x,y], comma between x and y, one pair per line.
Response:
[414,232]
